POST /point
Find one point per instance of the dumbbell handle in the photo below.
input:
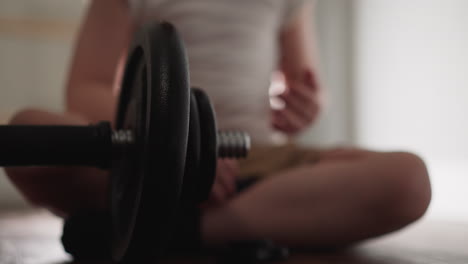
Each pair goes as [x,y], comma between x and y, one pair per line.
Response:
[94,145]
[56,145]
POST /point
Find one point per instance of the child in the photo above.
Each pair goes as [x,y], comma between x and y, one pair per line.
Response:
[306,198]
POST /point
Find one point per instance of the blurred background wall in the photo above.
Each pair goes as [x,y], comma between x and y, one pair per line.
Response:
[395,72]
[410,70]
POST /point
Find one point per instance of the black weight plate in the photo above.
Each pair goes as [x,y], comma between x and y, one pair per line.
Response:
[209,146]
[128,169]
[192,161]
[147,182]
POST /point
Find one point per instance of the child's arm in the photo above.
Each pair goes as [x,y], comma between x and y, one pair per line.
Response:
[299,65]
[99,52]
[297,44]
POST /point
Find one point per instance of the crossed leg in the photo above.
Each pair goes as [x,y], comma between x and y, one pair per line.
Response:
[349,196]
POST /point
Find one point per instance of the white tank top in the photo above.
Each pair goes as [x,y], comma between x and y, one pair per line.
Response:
[232,47]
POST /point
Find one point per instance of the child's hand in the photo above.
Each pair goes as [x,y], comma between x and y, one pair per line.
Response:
[224,186]
[302,105]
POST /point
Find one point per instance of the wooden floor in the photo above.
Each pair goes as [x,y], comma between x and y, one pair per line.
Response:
[32,237]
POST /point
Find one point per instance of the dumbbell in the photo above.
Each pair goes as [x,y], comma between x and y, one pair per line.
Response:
[162,149]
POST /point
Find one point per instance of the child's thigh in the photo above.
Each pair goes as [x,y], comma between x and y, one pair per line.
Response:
[62,189]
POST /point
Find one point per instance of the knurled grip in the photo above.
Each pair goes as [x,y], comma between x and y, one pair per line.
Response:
[26,145]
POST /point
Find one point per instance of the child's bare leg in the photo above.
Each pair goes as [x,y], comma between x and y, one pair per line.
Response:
[63,190]
[349,196]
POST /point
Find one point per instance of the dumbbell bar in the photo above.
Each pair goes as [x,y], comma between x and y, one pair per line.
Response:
[94,145]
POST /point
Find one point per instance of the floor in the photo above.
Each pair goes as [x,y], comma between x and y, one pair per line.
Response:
[449,181]
[32,237]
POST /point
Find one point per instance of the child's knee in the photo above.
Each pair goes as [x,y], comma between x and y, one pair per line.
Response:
[406,188]
[26,116]
[40,117]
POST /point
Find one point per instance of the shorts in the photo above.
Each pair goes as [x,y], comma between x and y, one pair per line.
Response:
[264,161]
